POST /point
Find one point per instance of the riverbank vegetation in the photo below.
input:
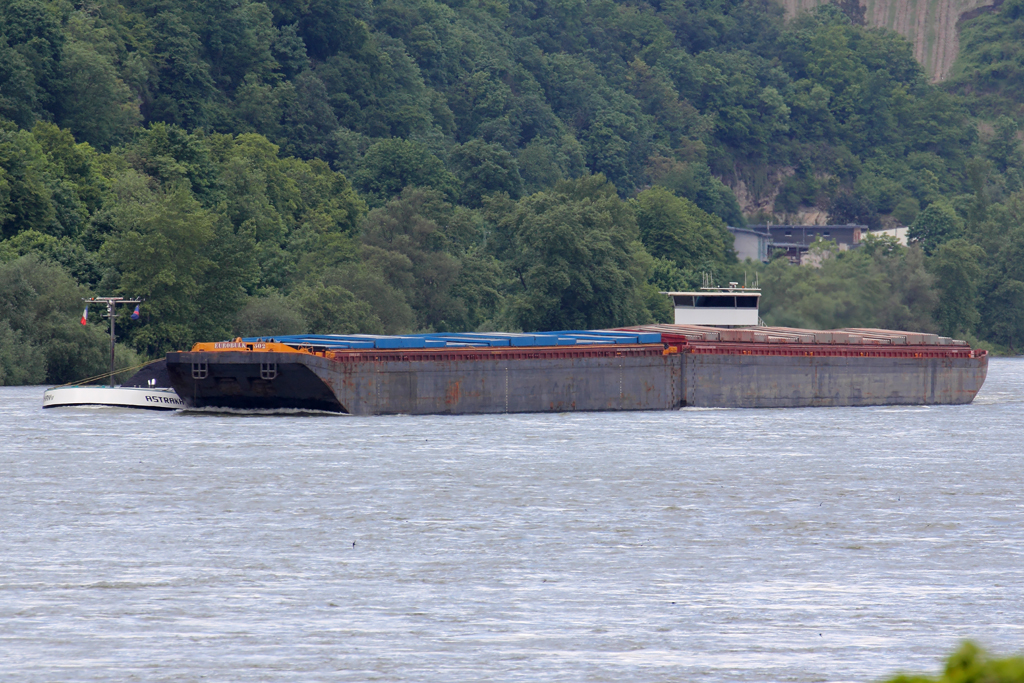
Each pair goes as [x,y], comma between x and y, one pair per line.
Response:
[398,165]
[970,663]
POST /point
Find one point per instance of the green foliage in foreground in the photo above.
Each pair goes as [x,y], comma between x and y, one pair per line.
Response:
[971,664]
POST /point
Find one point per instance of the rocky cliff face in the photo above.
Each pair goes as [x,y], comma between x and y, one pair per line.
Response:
[931,25]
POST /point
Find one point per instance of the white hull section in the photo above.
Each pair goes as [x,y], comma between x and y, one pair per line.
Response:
[125,397]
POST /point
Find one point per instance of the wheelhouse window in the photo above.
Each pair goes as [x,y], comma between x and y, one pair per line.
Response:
[746,302]
[716,302]
[702,301]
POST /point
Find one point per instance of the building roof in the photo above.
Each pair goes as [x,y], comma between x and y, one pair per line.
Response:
[748,231]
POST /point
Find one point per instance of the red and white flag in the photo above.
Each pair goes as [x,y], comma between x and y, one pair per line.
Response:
[85,315]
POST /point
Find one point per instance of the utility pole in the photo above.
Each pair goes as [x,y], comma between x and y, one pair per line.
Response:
[111,302]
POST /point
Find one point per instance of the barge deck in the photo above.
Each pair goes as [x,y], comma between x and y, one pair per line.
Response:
[657,367]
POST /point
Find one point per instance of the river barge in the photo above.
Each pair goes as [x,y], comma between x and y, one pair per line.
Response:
[657,367]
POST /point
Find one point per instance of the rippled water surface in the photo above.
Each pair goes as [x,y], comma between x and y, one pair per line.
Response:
[814,544]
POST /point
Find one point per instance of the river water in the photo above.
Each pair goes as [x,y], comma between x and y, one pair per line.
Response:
[819,544]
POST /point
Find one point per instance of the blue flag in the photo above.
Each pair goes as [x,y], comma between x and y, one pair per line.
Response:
[135,313]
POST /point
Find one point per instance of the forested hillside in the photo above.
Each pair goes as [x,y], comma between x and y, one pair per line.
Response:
[990,67]
[932,26]
[346,165]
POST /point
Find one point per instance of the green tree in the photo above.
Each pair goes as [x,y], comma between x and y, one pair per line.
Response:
[170,154]
[695,182]
[239,41]
[892,290]
[21,361]
[483,169]
[329,308]
[409,249]
[1004,315]
[908,296]
[185,90]
[392,165]
[83,265]
[1002,292]
[884,245]
[1004,148]
[576,257]
[989,68]
[308,120]
[955,265]
[19,96]
[479,291]
[936,225]
[676,229]
[32,30]
[906,210]
[96,104]
[40,308]
[268,316]
[191,269]
[324,26]
[77,163]
[26,189]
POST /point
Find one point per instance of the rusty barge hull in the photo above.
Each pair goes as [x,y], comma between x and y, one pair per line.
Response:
[714,380]
[434,382]
[686,369]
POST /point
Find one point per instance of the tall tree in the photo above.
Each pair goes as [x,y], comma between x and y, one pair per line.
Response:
[190,267]
[955,265]
[936,225]
[576,257]
[676,229]
[392,165]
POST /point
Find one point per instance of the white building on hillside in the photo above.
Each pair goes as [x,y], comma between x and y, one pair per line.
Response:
[899,233]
